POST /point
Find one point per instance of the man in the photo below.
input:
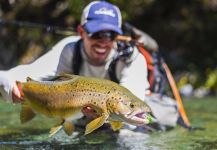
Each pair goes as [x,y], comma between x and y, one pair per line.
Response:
[100,24]
[95,48]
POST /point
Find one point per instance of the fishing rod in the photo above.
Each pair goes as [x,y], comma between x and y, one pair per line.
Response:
[47,28]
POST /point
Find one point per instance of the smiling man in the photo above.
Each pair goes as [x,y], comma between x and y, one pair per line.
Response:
[100,23]
[89,54]
[92,53]
[97,46]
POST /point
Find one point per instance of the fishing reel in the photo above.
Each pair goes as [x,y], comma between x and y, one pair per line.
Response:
[124,48]
[124,52]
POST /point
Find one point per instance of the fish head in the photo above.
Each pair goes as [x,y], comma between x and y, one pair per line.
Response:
[130,109]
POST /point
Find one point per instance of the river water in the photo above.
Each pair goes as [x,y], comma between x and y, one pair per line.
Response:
[34,134]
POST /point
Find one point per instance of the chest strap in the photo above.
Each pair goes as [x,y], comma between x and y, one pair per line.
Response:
[77,58]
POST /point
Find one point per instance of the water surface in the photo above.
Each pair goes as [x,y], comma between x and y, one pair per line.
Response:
[34,134]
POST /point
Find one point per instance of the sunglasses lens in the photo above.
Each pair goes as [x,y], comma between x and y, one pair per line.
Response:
[104,35]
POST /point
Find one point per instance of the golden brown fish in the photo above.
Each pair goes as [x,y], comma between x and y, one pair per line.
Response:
[66,95]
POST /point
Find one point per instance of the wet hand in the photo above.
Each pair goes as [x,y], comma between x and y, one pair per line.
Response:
[16,94]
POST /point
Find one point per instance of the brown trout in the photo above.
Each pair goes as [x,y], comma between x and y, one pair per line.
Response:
[66,95]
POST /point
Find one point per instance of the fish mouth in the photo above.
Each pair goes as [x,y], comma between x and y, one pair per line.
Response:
[139,118]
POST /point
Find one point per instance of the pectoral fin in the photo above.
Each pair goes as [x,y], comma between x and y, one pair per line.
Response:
[26,114]
[56,128]
[116,125]
[96,123]
[68,127]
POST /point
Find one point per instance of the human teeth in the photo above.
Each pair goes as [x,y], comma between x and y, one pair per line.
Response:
[100,50]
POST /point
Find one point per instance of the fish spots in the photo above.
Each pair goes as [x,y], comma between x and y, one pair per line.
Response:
[57,86]
[132,105]
[66,94]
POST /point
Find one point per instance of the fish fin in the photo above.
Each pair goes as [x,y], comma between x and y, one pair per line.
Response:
[63,77]
[26,114]
[56,128]
[28,79]
[68,127]
[116,125]
[96,123]
[67,75]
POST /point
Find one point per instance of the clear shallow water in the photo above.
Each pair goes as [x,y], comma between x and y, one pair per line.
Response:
[34,134]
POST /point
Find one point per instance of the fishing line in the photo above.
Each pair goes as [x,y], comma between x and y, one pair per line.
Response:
[47,28]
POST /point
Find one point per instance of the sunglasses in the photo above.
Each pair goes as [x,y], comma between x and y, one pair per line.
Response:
[110,35]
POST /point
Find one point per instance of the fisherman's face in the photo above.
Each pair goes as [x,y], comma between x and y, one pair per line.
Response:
[98,45]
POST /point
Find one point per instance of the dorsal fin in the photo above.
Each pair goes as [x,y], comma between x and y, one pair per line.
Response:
[28,79]
[63,77]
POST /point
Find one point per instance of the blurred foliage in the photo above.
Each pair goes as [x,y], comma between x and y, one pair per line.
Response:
[211,82]
[208,84]
[185,30]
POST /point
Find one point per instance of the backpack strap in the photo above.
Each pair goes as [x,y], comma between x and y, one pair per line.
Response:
[159,73]
[149,61]
[156,74]
[77,59]
[112,71]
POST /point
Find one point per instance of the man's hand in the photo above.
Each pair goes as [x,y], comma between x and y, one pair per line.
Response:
[17,95]
[89,112]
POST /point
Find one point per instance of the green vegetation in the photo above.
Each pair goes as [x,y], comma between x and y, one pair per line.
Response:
[201,113]
[186,32]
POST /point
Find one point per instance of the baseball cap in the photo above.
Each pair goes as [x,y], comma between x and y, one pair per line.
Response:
[101,15]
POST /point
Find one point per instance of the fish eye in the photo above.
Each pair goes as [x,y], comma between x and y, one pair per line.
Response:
[131,105]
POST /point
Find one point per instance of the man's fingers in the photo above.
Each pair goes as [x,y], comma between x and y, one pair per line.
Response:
[16,94]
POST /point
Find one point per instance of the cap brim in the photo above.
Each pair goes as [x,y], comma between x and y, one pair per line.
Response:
[96,26]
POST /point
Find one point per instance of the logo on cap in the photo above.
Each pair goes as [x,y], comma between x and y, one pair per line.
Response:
[105,11]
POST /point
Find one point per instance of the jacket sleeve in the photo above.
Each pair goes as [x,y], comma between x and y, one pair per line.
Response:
[134,75]
[43,67]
